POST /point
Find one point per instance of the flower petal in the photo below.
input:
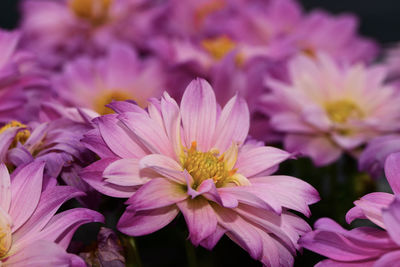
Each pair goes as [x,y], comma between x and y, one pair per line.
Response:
[233,124]
[157,193]
[392,171]
[93,175]
[199,113]
[391,218]
[149,132]
[44,253]
[165,166]
[5,188]
[259,159]
[240,231]
[199,217]
[50,201]
[124,172]
[26,188]
[146,222]
[117,138]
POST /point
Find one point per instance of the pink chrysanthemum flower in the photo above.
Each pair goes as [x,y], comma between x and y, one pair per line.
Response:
[60,30]
[18,76]
[363,246]
[333,35]
[327,109]
[194,159]
[31,234]
[121,75]
[373,157]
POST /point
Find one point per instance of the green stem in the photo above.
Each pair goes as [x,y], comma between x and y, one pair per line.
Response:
[190,254]
[131,252]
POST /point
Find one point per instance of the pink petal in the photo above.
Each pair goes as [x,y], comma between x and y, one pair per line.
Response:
[321,150]
[288,122]
[391,218]
[285,227]
[50,201]
[149,132]
[5,188]
[247,195]
[165,166]
[93,175]
[332,244]
[172,120]
[117,138]
[44,253]
[294,194]
[199,217]
[124,172]
[210,242]
[259,159]
[206,189]
[62,226]
[6,138]
[93,140]
[233,124]
[157,193]
[389,259]
[330,263]
[26,188]
[371,206]
[240,231]
[147,221]
[392,171]
[199,113]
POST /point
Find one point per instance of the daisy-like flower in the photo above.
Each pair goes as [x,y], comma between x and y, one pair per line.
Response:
[31,234]
[121,75]
[363,246]
[75,27]
[373,157]
[333,35]
[194,159]
[327,109]
[17,76]
[55,141]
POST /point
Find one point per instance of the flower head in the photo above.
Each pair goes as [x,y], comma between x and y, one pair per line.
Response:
[18,78]
[121,75]
[77,27]
[30,231]
[194,159]
[367,246]
[327,108]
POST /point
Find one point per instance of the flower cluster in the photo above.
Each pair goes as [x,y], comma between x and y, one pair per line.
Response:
[147,114]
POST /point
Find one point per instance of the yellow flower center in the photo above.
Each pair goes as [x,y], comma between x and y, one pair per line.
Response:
[310,52]
[95,11]
[5,234]
[106,97]
[206,9]
[342,110]
[206,165]
[218,47]
[21,136]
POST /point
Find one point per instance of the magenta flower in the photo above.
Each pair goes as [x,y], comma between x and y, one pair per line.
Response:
[194,159]
[363,246]
[77,27]
[121,75]
[31,234]
[17,77]
[373,157]
[333,35]
[327,108]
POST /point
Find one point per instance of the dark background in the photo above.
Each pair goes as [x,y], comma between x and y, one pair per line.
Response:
[379,19]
